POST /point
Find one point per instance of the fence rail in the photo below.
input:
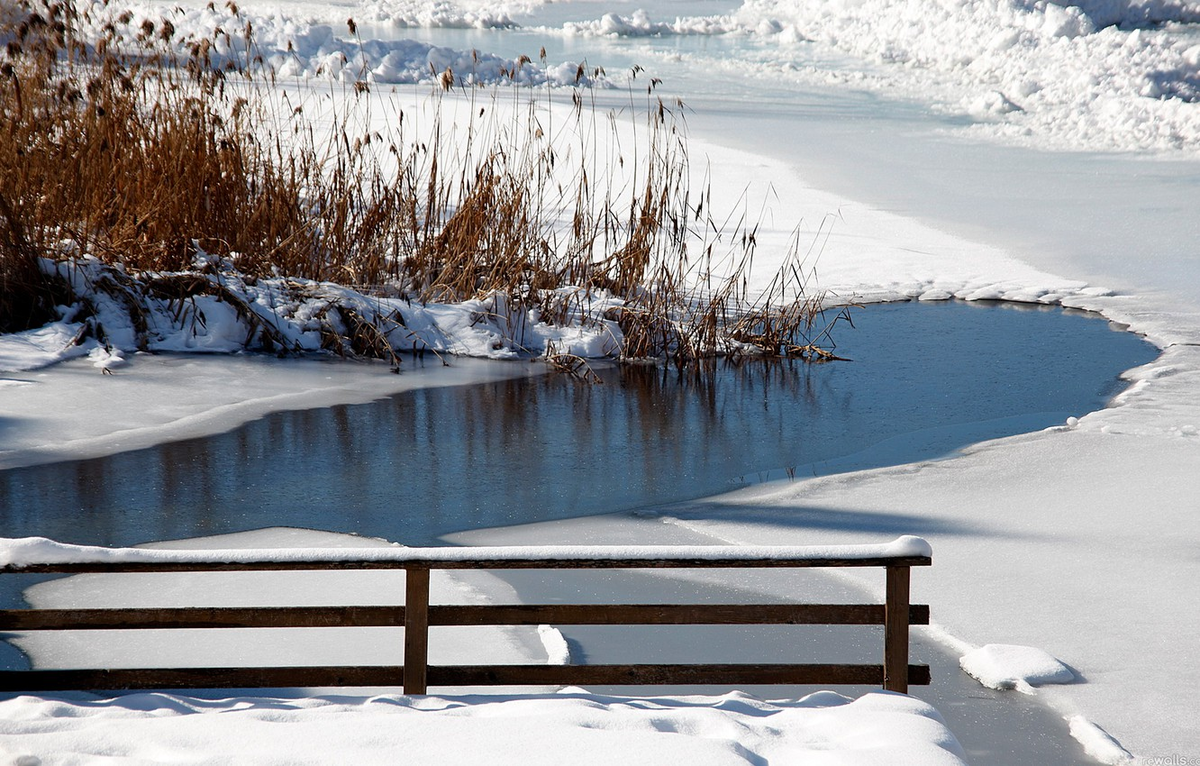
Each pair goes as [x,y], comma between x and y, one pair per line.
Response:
[416,616]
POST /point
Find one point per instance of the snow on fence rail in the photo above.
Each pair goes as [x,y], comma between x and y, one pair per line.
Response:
[896,614]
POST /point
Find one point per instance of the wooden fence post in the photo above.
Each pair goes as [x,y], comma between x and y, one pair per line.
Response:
[416,629]
[895,630]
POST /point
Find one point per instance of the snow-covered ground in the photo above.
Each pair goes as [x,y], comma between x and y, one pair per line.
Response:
[523,730]
[945,141]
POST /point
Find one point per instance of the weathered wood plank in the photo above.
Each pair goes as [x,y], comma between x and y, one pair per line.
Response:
[492,614]
[670,614]
[201,617]
[198,678]
[449,675]
[659,674]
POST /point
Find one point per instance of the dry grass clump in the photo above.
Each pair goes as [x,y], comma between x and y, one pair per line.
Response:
[150,153]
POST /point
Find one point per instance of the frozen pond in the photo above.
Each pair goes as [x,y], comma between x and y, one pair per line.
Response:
[925,379]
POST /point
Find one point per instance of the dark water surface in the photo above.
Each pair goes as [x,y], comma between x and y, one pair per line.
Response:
[925,379]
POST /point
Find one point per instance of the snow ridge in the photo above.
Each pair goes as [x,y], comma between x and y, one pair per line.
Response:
[292,48]
[1030,72]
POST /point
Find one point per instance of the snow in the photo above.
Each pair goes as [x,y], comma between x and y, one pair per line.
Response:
[1098,743]
[40,347]
[1071,545]
[996,61]
[556,645]
[1123,89]
[290,47]
[18,553]
[878,728]
[1006,666]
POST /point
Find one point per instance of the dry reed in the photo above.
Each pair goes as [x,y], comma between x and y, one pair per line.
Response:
[147,152]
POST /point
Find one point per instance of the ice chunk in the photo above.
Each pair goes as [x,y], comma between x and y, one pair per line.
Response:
[1009,666]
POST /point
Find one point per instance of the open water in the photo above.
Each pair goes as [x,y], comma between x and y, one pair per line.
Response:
[922,381]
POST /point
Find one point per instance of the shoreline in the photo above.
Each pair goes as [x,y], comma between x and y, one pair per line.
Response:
[197,395]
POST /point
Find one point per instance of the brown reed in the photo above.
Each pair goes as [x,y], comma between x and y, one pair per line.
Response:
[147,152]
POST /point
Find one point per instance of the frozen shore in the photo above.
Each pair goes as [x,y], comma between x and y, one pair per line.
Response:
[72,412]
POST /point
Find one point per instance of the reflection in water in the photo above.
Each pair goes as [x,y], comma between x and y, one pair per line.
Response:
[424,463]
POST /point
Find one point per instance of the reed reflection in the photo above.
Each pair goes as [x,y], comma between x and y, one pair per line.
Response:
[421,464]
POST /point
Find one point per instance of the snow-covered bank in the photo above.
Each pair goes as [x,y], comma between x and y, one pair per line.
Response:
[71,411]
[1132,68]
[231,313]
[289,46]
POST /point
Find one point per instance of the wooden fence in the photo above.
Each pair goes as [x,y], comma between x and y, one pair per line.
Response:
[417,615]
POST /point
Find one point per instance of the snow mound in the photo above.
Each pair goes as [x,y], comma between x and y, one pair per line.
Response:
[639,24]
[1053,75]
[573,727]
[41,347]
[1105,13]
[1008,666]
[448,14]
[288,47]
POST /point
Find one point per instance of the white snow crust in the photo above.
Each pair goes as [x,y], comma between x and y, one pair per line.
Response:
[1098,743]
[1092,75]
[27,551]
[1061,75]
[484,328]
